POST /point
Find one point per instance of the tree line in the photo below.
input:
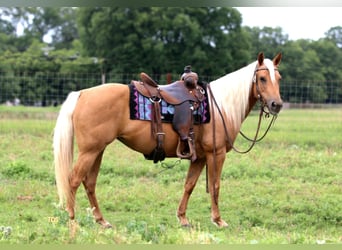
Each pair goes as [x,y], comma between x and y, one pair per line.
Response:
[101,41]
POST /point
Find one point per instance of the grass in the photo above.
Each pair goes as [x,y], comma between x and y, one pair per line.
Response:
[286,190]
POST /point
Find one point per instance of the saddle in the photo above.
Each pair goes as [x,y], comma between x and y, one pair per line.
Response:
[185,95]
[174,93]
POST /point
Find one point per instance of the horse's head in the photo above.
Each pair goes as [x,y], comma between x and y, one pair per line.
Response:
[266,83]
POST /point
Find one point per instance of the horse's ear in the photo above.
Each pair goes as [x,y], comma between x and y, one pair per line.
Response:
[277,59]
[261,58]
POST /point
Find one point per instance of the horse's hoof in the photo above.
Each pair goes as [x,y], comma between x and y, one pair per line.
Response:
[220,223]
[186,226]
[183,221]
[105,224]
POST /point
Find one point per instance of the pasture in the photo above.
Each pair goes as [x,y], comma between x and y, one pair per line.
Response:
[288,189]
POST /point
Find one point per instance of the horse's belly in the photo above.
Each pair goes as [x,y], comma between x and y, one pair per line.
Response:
[138,136]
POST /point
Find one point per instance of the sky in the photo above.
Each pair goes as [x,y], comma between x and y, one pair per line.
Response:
[296,22]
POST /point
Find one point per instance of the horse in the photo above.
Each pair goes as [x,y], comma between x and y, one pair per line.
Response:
[98,115]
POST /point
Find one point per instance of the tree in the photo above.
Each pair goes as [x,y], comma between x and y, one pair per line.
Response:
[6,36]
[66,32]
[38,22]
[6,27]
[300,71]
[330,56]
[267,39]
[160,40]
[42,76]
[155,40]
[334,34]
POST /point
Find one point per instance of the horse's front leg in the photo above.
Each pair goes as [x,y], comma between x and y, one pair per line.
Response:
[194,172]
[215,164]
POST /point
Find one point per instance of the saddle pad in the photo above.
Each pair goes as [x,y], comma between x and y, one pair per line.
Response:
[141,108]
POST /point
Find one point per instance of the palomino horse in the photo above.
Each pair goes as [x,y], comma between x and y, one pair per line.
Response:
[98,115]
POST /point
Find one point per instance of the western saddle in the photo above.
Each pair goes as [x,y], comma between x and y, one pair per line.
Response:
[185,95]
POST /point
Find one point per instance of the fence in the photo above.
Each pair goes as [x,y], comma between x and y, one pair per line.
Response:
[46,89]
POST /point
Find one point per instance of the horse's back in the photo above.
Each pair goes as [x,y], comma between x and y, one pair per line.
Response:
[106,91]
[103,100]
[97,112]
[102,115]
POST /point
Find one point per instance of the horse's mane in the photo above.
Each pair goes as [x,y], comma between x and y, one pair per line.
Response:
[232,92]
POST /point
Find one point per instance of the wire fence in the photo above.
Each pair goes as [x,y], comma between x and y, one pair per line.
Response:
[48,88]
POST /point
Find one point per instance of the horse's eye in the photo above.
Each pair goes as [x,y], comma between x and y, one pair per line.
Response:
[263,79]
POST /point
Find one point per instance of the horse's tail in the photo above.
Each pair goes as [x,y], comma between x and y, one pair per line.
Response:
[63,147]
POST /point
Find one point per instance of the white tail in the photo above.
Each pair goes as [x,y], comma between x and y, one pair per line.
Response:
[63,146]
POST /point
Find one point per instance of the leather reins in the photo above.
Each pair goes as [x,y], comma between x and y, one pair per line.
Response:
[228,139]
[262,111]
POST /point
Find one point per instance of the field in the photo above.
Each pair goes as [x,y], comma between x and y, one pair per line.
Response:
[288,189]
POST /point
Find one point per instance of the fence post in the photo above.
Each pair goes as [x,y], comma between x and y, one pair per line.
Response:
[103,78]
[168,78]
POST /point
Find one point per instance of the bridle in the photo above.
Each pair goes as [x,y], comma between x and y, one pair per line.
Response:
[262,112]
[228,140]
[259,96]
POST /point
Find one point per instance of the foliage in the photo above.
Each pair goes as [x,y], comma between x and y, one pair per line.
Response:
[42,77]
[286,190]
[334,34]
[168,37]
[37,22]
[158,40]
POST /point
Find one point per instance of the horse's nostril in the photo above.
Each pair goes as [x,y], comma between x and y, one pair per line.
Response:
[276,105]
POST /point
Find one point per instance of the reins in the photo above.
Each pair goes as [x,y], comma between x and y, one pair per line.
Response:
[265,133]
[255,139]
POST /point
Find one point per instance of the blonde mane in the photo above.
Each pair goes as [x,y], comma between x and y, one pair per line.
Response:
[232,92]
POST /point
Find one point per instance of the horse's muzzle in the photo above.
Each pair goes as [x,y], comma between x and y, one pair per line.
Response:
[275,106]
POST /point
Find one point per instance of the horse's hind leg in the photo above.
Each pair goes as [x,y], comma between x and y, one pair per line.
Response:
[194,172]
[83,166]
[90,185]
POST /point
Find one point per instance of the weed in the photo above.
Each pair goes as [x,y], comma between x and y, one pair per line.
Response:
[5,232]
[287,190]
[20,170]
[17,169]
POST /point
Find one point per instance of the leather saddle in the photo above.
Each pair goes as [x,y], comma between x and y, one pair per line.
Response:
[174,93]
[185,95]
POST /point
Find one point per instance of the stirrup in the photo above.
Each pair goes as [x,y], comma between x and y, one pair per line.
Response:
[191,155]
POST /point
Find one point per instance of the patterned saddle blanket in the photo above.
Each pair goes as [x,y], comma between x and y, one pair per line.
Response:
[141,108]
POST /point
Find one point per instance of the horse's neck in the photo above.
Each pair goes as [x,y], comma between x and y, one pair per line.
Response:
[234,96]
[251,103]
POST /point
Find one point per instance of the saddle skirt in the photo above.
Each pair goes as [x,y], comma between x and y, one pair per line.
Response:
[174,93]
[141,108]
[185,98]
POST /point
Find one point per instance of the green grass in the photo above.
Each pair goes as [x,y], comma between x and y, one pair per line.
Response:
[288,189]
[22,112]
